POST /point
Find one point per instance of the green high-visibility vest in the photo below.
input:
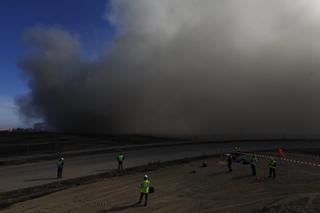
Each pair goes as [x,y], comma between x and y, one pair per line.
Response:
[272,164]
[60,163]
[144,188]
[253,160]
[120,157]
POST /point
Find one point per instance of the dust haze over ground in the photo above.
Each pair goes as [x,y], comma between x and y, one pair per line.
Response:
[183,67]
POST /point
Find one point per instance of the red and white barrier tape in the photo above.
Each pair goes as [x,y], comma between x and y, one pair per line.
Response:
[288,160]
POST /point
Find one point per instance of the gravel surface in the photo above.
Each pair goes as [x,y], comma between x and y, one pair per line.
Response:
[206,189]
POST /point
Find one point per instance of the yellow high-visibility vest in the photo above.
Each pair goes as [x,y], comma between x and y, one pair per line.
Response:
[145,186]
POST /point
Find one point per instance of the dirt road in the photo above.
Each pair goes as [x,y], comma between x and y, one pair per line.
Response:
[32,174]
[209,189]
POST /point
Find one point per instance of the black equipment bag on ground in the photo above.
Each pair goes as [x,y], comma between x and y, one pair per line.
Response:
[151,189]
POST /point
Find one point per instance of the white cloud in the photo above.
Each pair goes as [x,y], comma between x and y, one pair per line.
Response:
[8,113]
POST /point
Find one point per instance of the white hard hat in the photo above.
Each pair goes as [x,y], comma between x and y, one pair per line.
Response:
[145,176]
[62,158]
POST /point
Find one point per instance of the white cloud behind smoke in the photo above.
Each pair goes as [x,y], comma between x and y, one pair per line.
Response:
[9,114]
[184,67]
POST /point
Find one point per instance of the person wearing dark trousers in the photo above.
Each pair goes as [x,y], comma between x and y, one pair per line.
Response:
[253,163]
[144,190]
[229,161]
[272,168]
[60,164]
[120,159]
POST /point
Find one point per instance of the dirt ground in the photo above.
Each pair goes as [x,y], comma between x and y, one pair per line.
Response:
[178,189]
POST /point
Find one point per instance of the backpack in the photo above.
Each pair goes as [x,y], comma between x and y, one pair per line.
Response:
[151,189]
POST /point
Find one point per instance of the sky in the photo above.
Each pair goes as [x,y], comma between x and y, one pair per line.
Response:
[84,18]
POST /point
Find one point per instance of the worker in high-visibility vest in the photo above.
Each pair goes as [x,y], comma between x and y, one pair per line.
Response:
[237,150]
[144,190]
[120,159]
[272,168]
[253,163]
[229,162]
[60,164]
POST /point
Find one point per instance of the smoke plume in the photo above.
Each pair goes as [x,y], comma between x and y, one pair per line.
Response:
[179,67]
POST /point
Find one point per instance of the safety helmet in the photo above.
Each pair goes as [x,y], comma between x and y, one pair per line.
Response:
[62,158]
[146,176]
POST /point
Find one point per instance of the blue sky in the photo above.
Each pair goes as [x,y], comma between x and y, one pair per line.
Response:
[85,18]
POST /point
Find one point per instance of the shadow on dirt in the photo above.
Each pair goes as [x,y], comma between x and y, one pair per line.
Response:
[242,177]
[103,170]
[121,208]
[218,173]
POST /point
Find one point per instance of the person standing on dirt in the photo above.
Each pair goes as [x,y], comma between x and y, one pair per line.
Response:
[120,159]
[60,164]
[272,168]
[253,163]
[229,161]
[144,189]
[237,150]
